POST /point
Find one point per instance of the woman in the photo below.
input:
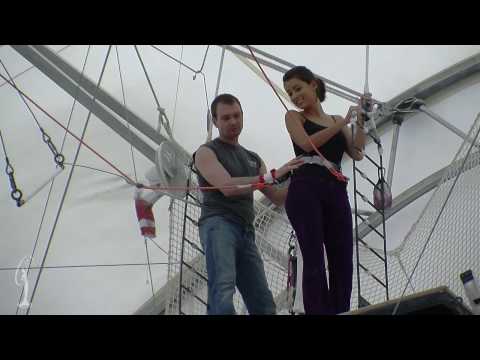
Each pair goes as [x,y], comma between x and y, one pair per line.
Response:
[317,202]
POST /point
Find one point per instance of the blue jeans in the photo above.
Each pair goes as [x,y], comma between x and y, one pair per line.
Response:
[233,260]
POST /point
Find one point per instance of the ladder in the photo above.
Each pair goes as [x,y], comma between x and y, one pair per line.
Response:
[362,270]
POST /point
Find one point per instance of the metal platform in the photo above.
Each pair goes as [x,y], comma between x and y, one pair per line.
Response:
[436,301]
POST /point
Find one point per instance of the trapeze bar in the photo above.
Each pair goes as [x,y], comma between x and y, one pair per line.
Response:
[28,197]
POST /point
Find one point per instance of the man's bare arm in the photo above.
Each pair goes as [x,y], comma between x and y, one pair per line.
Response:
[207,163]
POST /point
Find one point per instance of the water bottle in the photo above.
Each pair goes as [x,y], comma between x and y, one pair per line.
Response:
[472,290]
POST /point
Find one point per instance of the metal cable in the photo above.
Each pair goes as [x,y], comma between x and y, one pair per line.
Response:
[148,78]
[149,267]
[125,106]
[66,188]
[84,266]
[327,81]
[33,67]
[72,134]
[161,110]
[338,175]
[176,93]
[28,106]
[366,89]
[174,59]
[53,182]
[203,63]
[99,170]
[189,68]
[436,221]
[3,144]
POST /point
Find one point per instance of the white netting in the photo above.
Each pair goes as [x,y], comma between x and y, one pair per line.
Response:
[272,234]
[452,248]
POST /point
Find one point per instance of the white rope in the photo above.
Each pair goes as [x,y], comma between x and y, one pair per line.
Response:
[261,76]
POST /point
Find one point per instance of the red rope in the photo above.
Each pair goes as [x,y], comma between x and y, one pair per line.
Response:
[68,131]
[171,188]
[333,171]
[258,186]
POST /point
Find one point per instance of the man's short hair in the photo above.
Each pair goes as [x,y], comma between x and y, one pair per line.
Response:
[228,99]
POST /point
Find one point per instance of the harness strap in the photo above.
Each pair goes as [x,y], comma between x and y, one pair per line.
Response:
[317,160]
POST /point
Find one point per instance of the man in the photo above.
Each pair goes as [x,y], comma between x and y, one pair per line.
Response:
[226,227]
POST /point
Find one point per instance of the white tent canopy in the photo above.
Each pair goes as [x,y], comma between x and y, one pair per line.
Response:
[97,224]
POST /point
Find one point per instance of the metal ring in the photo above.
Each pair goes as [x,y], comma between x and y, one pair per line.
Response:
[16,195]
[59,159]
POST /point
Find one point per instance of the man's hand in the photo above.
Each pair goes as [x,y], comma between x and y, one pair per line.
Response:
[277,195]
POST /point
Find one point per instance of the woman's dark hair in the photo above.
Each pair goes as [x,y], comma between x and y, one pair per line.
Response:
[304,74]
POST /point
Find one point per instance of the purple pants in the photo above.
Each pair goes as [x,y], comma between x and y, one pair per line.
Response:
[320,213]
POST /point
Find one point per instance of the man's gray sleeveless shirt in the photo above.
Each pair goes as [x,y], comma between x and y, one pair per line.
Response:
[239,162]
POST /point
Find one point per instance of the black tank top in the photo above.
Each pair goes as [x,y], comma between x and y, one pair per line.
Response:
[332,150]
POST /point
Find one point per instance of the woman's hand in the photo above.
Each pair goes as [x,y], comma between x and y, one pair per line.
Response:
[354,111]
[358,110]
[289,166]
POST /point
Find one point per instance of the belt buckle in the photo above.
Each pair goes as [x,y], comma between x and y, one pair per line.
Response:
[310,160]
